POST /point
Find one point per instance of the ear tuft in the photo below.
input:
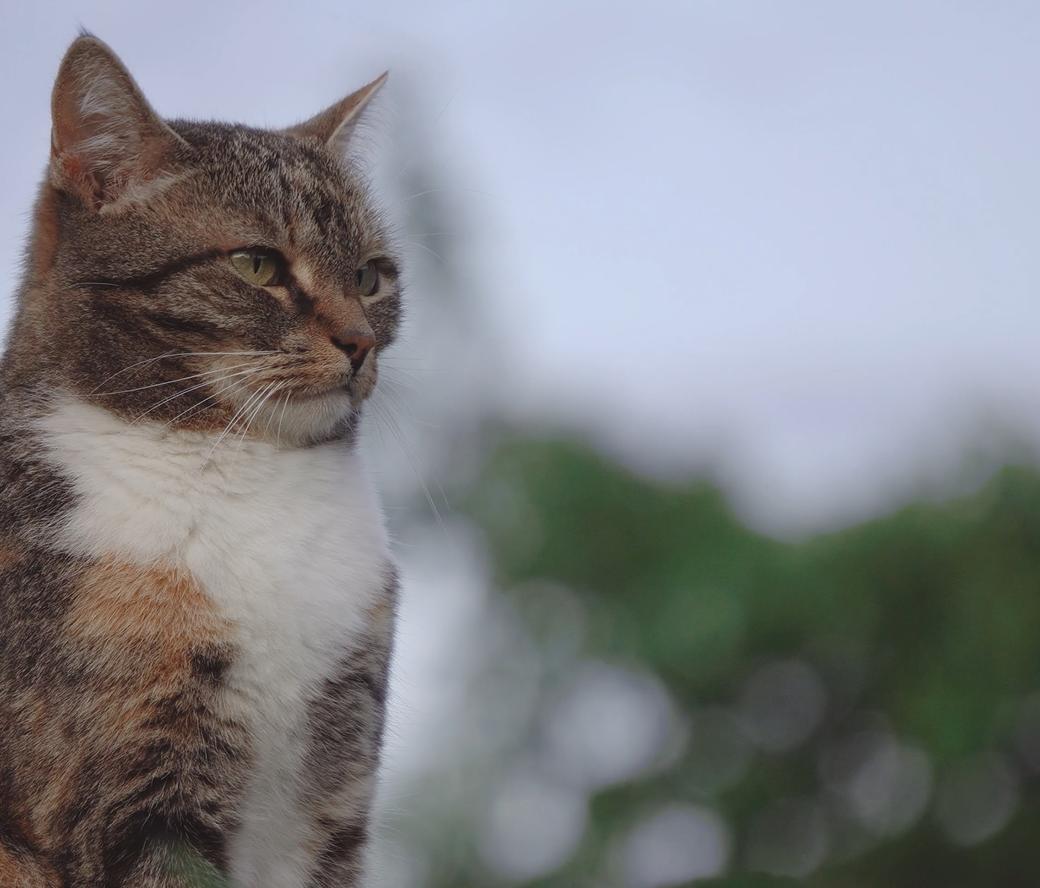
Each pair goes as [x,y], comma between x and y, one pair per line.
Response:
[334,126]
[105,135]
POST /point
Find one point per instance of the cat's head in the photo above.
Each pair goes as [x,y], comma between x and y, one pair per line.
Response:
[201,274]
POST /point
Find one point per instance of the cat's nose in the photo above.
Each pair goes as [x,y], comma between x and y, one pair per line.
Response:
[355,346]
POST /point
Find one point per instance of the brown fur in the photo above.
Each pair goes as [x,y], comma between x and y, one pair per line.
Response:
[132,702]
[119,756]
[19,871]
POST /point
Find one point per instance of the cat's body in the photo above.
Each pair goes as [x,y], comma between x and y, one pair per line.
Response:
[196,591]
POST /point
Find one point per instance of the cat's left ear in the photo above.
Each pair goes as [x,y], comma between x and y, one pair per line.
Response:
[106,139]
[334,126]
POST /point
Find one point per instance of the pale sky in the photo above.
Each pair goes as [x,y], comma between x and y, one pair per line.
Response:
[796,240]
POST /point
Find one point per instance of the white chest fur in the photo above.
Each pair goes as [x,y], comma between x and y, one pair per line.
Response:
[290,544]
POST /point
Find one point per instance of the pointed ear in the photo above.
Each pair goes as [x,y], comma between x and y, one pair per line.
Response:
[334,125]
[105,136]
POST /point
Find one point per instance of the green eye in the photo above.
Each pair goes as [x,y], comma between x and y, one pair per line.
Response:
[367,279]
[262,268]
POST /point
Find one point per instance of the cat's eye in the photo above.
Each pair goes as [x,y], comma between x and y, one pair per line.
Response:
[262,268]
[366,278]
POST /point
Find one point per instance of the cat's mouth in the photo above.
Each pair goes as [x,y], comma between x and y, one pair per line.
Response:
[354,390]
[310,404]
[359,388]
[361,383]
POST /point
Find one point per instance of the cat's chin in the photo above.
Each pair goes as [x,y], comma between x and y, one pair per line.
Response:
[311,418]
[312,413]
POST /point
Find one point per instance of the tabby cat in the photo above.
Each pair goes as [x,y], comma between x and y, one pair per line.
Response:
[196,595]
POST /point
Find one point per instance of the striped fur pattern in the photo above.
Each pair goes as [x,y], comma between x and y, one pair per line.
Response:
[196,591]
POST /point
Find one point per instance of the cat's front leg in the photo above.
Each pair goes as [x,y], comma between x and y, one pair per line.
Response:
[346,721]
[145,766]
[156,829]
[340,862]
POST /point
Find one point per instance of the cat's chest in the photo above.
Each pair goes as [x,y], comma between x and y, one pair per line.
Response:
[296,563]
[289,545]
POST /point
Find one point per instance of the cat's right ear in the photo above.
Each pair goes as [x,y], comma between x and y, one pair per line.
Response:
[334,126]
[106,139]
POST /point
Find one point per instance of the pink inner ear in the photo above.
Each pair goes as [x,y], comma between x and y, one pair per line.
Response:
[70,171]
[105,133]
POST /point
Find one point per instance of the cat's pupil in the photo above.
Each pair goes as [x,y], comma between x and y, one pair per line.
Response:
[257,262]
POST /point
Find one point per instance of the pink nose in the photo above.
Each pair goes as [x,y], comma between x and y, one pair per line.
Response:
[355,346]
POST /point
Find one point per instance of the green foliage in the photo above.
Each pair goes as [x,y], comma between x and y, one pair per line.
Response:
[925,623]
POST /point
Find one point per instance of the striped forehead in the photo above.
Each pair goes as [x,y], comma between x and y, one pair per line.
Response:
[315,201]
[294,188]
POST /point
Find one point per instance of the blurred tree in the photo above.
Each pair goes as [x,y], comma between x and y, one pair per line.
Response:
[667,696]
[857,710]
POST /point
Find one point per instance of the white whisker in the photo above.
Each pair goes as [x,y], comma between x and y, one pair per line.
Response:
[270,389]
[285,403]
[395,433]
[429,250]
[240,412]
[177,354]
[182,379]
[193,388]
[205,400]
[270,419]
[428,191]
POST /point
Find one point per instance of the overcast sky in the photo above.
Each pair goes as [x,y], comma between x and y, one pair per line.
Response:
[799,238]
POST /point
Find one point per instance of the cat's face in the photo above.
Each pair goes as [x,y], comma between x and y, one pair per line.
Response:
[206,276]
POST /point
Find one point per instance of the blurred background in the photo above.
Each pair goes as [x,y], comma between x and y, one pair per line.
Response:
[710,449]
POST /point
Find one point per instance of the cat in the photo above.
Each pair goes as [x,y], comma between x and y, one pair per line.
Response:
[197,597]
